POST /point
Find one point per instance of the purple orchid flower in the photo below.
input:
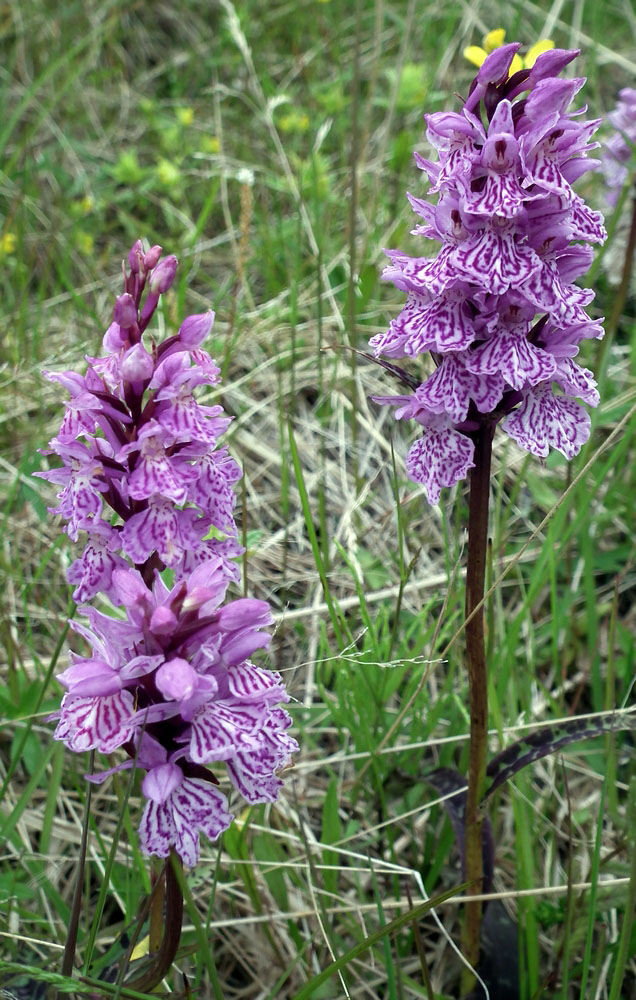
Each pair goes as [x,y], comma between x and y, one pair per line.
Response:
[497,307]
[171,683]
[619,147]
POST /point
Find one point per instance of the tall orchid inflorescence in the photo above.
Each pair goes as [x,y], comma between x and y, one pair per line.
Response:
[169,679]
[497,308]
[618,149]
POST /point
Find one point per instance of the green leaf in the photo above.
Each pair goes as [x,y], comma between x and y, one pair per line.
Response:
[30,750]
[331,832]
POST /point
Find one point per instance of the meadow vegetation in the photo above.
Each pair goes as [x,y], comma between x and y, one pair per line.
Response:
[269,146]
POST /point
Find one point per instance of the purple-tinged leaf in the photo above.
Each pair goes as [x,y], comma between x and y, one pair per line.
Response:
[446,781]
[548,740]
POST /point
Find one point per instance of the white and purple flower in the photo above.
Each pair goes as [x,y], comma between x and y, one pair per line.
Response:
[619,147]
[497,307]
[171,683]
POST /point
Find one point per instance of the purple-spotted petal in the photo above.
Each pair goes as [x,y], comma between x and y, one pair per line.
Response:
[494,260]
[99,723]
[93,571]
[248,683]
[576,381]
[221,729]
[213,491]
[509,353]
[253,772]
[193,806]
[565,303]
[440,457]
[442,325]
[163,529]
[452,386]
[544,421]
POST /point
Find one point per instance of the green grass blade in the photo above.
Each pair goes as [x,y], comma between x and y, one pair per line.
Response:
[338,625]
[359,949]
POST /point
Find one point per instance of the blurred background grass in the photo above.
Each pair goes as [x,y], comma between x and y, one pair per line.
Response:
[270,147]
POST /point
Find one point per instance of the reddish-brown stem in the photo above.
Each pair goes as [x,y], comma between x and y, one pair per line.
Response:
[477,680]
[71,937]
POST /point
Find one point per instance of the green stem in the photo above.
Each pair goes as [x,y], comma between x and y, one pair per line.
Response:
[477,682]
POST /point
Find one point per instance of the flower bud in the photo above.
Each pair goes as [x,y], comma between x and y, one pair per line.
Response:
[89,678]
[163,621]
[495,67]
[135,256]
[152,257]
[125,311]
[246,612]
[195,329]
[137,364]
[163,275]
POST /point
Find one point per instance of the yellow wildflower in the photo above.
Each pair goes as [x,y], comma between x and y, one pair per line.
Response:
[294,121]
[168,173]
[7,243]
[210,144]
[536,50]
[185,116]
[84,243]
[494,40]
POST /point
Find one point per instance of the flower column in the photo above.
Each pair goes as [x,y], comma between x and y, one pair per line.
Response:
[499,313]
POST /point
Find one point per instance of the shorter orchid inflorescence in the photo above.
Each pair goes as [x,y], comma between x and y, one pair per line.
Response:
[618,149]
[169,678]
[497,309]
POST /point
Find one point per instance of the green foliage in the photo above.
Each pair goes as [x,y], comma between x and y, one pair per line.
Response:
[224,132]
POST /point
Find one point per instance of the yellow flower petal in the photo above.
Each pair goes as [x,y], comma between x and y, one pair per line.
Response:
[494,39]
[8,242]
[185,116]
[515,65]
[84,243]
[475,55]
[168,172]
[536,50]
[210,144]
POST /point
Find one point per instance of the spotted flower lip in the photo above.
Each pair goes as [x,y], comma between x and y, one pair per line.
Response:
[169,678]
[497,307]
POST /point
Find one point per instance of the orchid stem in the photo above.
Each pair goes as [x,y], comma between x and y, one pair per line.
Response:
[68,959]
[478,685]
[165,956]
